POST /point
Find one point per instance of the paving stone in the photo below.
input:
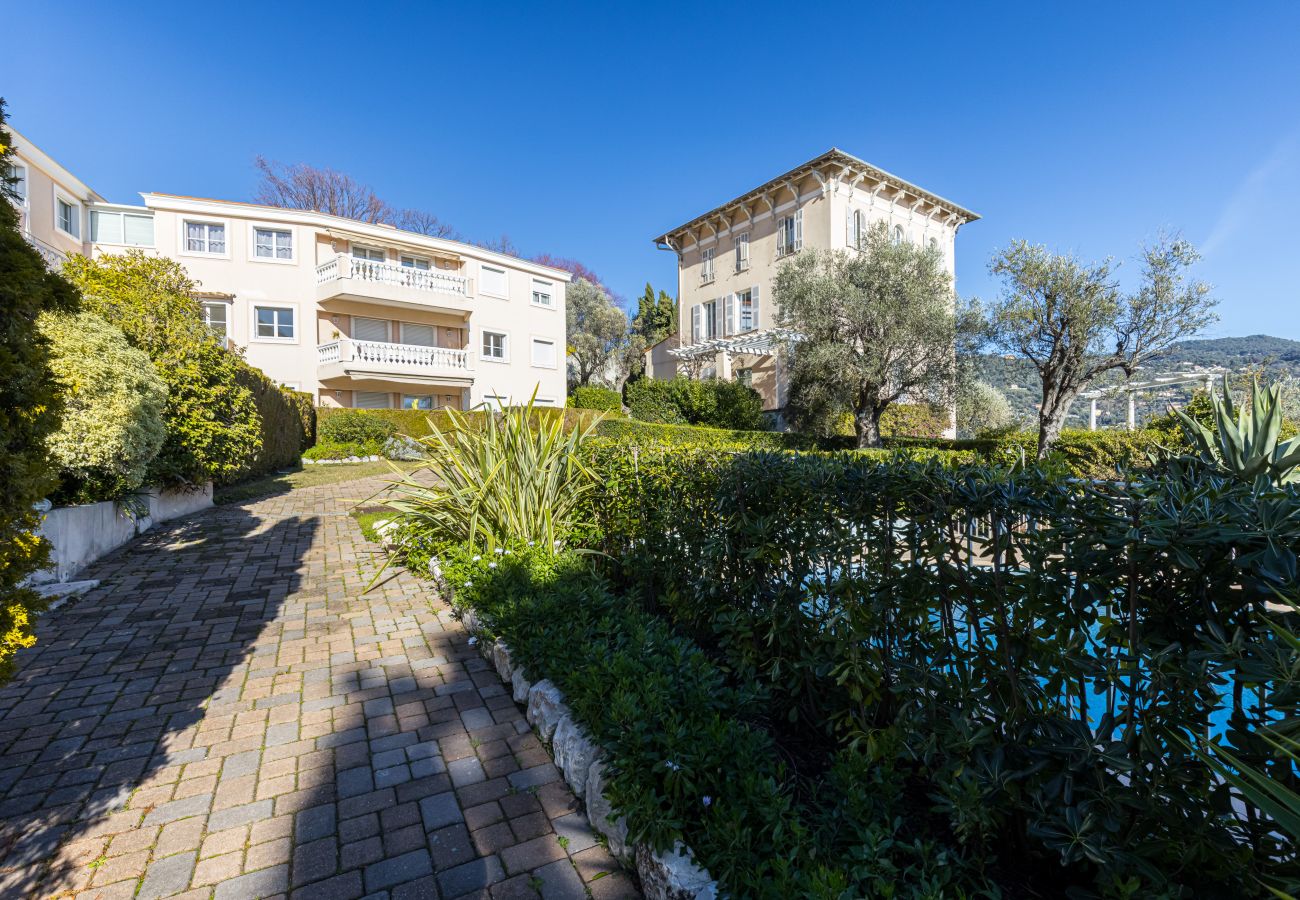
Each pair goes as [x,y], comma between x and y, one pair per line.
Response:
[561,882]
[167,877]
[393,871]
[440,810]
[471,876]
[263,883]
[315,822]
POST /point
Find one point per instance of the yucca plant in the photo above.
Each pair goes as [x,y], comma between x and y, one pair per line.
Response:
[1246,440]
[516,479]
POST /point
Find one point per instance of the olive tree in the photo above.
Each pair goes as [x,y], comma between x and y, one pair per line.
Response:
[1074,323]
[599,344]
[871,327]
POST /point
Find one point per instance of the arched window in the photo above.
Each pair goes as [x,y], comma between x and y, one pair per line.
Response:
[934,244]
[898,234]
[859,228]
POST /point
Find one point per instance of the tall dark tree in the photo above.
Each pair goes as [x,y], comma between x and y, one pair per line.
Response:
[656,316]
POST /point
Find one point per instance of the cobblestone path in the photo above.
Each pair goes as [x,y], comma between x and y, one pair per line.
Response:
[231,715]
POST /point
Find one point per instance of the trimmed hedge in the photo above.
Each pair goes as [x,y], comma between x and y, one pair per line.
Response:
[691,401]
[355,427]
[287,422]
[415,422]
[603,399]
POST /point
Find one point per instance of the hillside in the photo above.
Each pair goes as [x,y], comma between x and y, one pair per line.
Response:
[1237,356]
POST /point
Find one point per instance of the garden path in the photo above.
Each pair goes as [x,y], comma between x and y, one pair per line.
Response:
[231,715]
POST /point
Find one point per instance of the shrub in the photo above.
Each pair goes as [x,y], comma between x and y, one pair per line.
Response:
[333,450]
[690,401]
[986,662]
[911,420]
[512,481]
[30,408]
[287,421]
[600,398]
[213,426]
[113,409]
[355,427]
[418,423]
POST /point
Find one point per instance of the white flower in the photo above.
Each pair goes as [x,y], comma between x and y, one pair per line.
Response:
[492,565]
[498,551]
[531,543]
[672,766]
[706,800]
[469,584]
[507,553]
[476,559]
[474,640]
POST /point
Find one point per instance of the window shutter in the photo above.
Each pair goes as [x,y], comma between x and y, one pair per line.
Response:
[753,294]
[780,237]
[848,227]
[697,313]
[729,315]
[798,229]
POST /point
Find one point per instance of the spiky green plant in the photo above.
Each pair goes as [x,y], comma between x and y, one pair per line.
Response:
[512,480]
[1245,442]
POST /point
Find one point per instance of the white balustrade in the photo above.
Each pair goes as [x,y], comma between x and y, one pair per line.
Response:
[376,272]
[408,357]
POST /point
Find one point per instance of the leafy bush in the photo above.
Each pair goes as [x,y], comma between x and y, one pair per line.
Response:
[213,426]
[287,420]
[113,409]
[985,666]
[349,426]
[689,401]
[603,399]
[418,423]
[511,480]
[30,408]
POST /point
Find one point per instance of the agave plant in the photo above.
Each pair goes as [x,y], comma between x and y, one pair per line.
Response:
[1246,440]
[514,479]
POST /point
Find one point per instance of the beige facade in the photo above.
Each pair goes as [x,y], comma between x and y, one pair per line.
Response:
[359,315]
[53,204]
[728,258]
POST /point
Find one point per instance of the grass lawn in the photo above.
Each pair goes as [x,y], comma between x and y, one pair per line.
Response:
[308,476]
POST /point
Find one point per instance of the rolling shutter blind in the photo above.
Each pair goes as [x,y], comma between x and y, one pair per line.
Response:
[419,335]
[370,400]
[369,329]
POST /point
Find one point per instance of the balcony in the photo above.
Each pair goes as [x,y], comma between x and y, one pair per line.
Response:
[408,363]
[53,257]
[366,280]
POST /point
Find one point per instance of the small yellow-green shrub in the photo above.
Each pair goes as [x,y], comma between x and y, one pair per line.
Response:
[113,408]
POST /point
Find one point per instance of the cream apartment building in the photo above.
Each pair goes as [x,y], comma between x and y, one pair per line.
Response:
[359,315]
[727,258]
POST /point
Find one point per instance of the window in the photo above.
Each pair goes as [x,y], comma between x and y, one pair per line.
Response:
[369,253]
[205,237]
[272,243]
[419,335]
[415,262]
[859,237]
[706,265]
[541,292]
[789,234]
[273,323]
[493,281]
[494,346]
[19,185]
[67,217]
[417,401]
[365,329]
[371,400]
[704,321]
[742,251]
[543,353]
[897,234]
[745,377]
[216,315]
[111,227]
[747,309]
[934,244]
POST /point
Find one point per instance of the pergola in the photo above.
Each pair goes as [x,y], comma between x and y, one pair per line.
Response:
[763,342]
[1149,384]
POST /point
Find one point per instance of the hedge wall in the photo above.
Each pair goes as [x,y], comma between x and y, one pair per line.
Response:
[415,422]
[286,422]
[604,399]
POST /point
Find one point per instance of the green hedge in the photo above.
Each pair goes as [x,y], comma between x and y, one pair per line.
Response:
[603,399]
[990,662]
[356,427]
[415,422]
[30,408]
[690,401]
[286,422]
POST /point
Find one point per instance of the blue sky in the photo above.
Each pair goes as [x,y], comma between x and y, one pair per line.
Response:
[584,131]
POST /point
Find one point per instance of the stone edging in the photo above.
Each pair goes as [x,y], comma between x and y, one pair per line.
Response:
[664,876]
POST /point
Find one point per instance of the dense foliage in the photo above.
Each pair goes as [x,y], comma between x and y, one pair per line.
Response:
[30,408]
[603,399]
[692,401]
[213,426]
[419,423]
[349,426]
[113,409]
[1245,442]
[287,423]
[1006,658]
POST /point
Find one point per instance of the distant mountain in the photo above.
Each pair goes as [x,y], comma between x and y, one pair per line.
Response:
[1273,357]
